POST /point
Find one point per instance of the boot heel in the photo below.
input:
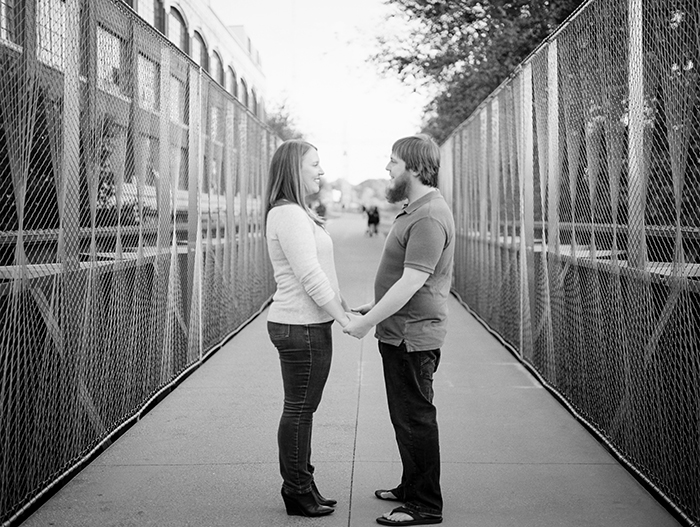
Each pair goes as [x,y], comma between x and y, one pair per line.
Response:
[304,505]
[292,506]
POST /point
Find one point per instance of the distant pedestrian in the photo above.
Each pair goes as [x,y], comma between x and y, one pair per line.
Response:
[303,308]
[372,220]
[409,310]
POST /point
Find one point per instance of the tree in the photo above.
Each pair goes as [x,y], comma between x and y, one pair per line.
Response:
[465,48]
[282,123]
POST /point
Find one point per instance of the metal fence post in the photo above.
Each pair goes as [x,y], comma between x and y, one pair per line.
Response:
[527,219]
[554,179]
[636,244]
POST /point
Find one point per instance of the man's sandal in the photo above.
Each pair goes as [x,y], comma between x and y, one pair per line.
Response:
[417,518]
[386,495]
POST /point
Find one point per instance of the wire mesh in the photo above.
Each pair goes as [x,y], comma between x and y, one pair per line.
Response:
[576,191]
[130,228]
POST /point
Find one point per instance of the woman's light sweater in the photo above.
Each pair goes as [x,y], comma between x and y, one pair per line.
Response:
[301,253]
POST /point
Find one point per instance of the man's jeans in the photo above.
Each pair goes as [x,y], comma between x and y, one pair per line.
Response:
[305,353]
[409,390]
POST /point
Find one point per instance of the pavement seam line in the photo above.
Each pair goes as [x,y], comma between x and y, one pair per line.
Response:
[357,421]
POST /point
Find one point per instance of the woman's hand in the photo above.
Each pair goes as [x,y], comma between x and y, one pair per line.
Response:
[357,327]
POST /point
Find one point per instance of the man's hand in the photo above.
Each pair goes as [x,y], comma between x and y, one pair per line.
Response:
[363,309]
[357,327]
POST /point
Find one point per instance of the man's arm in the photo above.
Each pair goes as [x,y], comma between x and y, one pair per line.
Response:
[395,298]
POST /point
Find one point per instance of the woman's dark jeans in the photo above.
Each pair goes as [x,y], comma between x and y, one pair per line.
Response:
[409,390]
[305,356]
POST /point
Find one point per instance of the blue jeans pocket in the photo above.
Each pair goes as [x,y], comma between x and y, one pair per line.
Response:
[278,332]
[427,367]
[429,361]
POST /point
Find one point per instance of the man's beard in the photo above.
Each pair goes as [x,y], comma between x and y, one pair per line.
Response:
[399,190]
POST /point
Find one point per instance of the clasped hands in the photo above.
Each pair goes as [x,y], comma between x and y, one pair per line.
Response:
[358,326]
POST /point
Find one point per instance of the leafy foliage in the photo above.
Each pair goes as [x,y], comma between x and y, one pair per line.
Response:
[465,48]
[282,123]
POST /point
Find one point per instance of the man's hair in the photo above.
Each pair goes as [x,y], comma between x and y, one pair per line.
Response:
[422,155]
[284,181]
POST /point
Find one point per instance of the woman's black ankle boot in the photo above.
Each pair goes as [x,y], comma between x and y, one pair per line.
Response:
[304,505]
[320,499]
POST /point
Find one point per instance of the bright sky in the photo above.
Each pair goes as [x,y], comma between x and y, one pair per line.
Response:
[315,56]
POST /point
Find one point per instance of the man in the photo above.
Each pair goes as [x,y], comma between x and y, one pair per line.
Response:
[410,311]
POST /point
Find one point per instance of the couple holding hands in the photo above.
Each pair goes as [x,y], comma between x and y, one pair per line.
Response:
[409,311]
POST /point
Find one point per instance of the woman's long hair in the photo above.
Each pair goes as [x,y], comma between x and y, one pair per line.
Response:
[284,181]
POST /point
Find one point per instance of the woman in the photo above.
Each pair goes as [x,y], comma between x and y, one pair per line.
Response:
[303,308]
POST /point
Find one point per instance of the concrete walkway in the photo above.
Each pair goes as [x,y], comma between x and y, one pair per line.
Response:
[206,456]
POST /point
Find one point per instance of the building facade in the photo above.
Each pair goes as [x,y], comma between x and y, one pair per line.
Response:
[227,54]
[152,101]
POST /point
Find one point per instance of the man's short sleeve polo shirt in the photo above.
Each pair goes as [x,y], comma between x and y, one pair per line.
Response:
[421,238]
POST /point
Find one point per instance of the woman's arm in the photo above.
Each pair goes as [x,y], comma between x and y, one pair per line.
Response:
[296,238]
[336,309]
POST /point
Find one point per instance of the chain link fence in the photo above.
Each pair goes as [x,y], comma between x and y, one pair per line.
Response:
[131,233]
[576,192]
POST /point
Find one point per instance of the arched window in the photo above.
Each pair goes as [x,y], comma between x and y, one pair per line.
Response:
[254,102]
[217,68]
[159,15]
[232,82]
[177,30]
[261,108]
[243,97]
[199,51]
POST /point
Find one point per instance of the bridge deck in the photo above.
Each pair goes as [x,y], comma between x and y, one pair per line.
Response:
[207,454]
